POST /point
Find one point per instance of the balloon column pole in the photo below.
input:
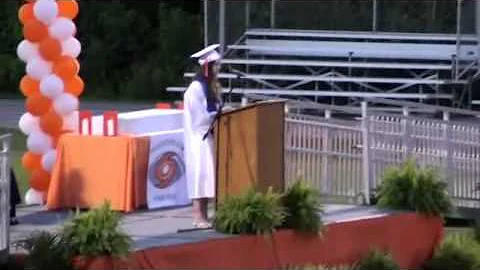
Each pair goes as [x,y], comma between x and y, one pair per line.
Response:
[51,85]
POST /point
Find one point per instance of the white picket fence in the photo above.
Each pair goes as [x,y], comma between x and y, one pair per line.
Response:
[345,159]
[4,196]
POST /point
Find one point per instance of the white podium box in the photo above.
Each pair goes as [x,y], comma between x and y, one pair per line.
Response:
[142,122]
[166,181]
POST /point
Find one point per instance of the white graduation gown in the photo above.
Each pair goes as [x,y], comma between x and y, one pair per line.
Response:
[199,153]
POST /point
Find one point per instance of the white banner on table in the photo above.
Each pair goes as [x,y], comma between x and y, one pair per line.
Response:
[142,122]
[166,182]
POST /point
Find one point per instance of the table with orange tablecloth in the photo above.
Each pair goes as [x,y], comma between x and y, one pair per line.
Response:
[92,169]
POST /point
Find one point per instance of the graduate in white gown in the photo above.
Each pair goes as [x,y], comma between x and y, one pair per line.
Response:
[202,101]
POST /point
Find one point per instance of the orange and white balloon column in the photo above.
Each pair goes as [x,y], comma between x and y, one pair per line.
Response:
[51,85]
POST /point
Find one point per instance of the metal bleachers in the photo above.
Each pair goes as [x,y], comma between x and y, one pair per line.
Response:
[345,66]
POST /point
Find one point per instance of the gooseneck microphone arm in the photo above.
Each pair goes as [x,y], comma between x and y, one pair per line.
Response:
[219,111]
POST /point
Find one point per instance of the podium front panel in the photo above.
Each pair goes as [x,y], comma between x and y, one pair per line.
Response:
[250,148]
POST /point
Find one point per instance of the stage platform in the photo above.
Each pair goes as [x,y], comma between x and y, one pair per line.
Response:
[350,233]
[157,228]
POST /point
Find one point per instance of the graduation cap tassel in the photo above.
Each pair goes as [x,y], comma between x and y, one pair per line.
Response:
[205,69]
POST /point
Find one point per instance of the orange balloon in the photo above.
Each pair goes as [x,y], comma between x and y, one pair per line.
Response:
[31,161]
[75,86]
[66,67]
[51,123]
[50,49]
[40,179]
[25,13]
[37,104]
[68,8]
[28,86]
[34,30]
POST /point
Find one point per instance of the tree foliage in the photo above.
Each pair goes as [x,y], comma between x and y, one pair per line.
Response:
[135,49]
[130,49]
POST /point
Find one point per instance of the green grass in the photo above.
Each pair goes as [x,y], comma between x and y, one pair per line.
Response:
[18,148]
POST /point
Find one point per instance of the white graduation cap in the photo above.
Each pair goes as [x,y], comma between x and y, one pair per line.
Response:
[209,54]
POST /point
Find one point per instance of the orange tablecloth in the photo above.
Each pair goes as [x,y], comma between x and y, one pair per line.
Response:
[91,169]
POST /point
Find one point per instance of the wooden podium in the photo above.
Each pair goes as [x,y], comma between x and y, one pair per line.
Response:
[250,147]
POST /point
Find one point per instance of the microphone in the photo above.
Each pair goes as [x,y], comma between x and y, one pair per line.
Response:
[239,74]
[219,111]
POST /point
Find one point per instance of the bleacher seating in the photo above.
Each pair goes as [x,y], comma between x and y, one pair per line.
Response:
[349,65]
[343,44]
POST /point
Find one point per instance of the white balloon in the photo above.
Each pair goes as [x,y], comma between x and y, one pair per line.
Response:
[34,197]
[28,123]
[70,121]
[45,11]
[27,50]
[39,142]
[71,47]
[65,104]
[51,86]
[62,29]
[39,68]
[49,159]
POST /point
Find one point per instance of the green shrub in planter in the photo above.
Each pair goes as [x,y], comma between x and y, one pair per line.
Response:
[377,260]
[476,231]
[302,206]
[457,251]
[250,213]
[45,251]
[408,187]
[96,233]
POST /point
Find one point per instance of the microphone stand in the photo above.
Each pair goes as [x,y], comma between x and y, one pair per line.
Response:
[219,111]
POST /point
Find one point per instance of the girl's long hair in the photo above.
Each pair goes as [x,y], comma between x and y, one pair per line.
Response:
[214,86]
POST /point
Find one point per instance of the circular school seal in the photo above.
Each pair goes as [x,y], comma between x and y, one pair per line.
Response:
[167,164]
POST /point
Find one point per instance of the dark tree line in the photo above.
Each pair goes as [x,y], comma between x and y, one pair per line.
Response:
[134,49]
[130,49]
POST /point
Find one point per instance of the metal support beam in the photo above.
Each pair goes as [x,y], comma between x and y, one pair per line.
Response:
[221,26]
[205,23]
[365,153]
[477,26]
[374,15]
[459,22]
[5,142]
[272,13]
[247,14]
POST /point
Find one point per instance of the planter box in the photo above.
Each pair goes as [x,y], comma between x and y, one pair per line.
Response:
[410,238]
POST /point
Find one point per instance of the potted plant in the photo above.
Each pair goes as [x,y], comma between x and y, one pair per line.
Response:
[414,189]
[376,259]
[45,250]
[303,208]
[250,213]
[457,251]
[94,238]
